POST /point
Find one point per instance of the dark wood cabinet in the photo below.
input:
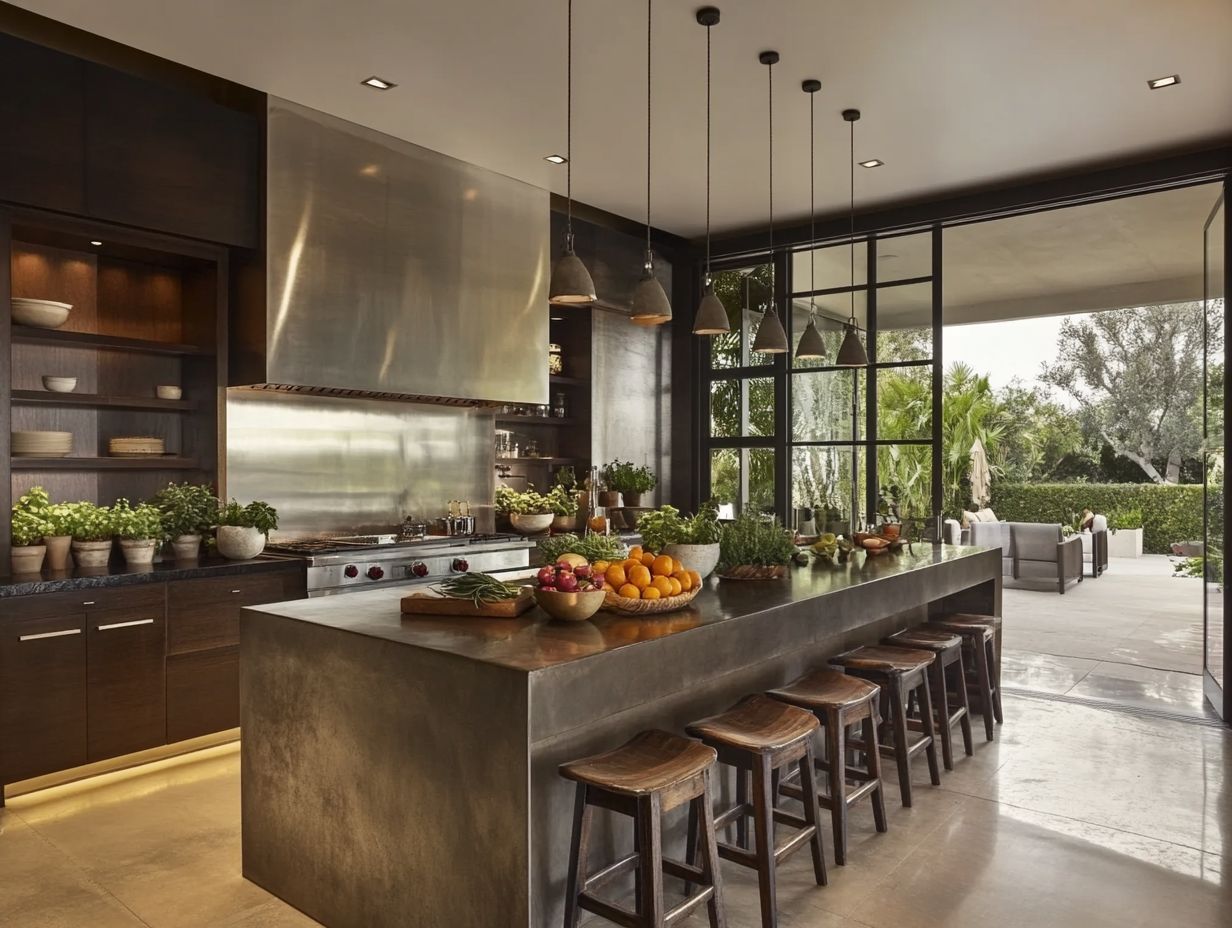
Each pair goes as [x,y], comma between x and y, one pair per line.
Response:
[205,614]
[125,680]
[203,693]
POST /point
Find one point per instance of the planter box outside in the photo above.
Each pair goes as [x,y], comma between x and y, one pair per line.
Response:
[1125,542]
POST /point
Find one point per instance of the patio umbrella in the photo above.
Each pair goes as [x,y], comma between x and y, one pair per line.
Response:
[981,475]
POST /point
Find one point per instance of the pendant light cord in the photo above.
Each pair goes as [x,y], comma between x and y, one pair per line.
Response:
[770,84]
[649,30]
[569,124]
[812,210]
[708,156]
[852,214]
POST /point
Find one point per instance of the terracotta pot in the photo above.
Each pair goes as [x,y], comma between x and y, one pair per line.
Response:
[632,499]
[58,551]
[27,559]
[564,524]
[186,547]
[139,552]
[91,553]
[609,499]
[239,542]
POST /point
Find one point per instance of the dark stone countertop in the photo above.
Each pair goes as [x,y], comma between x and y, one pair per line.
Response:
[533,642]
[113,576]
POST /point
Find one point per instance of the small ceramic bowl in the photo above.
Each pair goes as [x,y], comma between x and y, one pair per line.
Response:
[168,392]
[60,384]
[570,607]
[44,314]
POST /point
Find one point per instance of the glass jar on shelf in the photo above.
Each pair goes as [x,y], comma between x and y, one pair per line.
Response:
[560,409]
[556,362]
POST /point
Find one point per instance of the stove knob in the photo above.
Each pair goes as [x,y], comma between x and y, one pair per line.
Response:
[460,565]
[350,570]
[419,569]
[375,573]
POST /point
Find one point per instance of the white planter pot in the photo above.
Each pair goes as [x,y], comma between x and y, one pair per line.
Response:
[239,543]
[533,523]
[58,551]
[27,559]
[138,552]
[186,547]
[702,558]
[91,554]
[1125,542]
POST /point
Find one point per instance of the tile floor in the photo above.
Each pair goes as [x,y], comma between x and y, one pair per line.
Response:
[1077,816]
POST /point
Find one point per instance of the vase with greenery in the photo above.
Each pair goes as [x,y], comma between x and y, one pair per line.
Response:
[242,530]
[752,548]
[90,526]
[529,512]
[188,512]
[629,480]
[564,509]
[28,526]
[140,530]
[692,540]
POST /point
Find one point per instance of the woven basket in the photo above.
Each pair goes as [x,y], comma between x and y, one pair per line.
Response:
[648,606]
[753,572]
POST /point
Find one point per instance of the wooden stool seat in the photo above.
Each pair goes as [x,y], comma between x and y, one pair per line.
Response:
[885,659]
[968,620]
[949,676]
[979,634]
[826,689]
[758,723]
[651,762]
[925,639]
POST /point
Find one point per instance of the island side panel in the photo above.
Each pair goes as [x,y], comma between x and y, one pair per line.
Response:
[382,784]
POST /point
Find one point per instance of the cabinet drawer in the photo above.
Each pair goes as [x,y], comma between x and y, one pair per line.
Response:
[203,693]
[205,614]
[126,680]
[42,605]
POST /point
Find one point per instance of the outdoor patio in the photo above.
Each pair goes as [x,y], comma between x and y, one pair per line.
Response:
[1132,637]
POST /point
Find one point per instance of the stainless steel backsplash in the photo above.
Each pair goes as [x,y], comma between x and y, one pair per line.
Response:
[354,465]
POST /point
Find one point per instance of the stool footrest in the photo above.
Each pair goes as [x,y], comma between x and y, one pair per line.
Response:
[611,871]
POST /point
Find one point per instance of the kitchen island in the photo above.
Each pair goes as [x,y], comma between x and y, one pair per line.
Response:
[403,771]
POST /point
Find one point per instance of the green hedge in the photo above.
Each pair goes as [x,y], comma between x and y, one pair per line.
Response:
[1169,512]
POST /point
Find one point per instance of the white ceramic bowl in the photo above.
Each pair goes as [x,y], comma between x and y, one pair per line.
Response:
[45,314]
[168,392]
[531,523]
[60,384]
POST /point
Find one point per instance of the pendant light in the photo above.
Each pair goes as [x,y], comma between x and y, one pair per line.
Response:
[650,303]
[851,352]
[771,339]
[811,346]
[711,318]
[571,283]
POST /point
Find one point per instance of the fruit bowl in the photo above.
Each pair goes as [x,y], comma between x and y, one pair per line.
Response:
[618,603]
[570,607]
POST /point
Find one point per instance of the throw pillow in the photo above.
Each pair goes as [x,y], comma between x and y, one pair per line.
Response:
[987,515]
[968,518]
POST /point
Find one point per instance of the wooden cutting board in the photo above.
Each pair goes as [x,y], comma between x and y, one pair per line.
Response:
[429,603]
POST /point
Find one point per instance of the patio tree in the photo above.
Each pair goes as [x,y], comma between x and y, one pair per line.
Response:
[1137,375]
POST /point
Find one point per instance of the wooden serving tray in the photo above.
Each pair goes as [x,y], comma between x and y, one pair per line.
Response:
[429,603]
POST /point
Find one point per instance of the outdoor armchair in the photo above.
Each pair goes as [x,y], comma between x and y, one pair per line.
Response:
[1032,551]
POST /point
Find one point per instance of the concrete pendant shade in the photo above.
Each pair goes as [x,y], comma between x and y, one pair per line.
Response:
[771,339]
[851,353]
[571,283]
[650,303]
[711,316]
[811,345]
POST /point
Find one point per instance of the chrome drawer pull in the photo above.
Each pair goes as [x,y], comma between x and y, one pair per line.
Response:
[88,602]
[103,628]
[59,634]
[237,591]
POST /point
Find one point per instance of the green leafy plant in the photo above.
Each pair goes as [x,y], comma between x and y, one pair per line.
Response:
[626,477]
[88,522]
[666,526]
[591,547]
[261,516]
[751,540]
[512,502]
[1125,517]
[563,502]
[136,522]
[186,508]
[566,478]
[28,527]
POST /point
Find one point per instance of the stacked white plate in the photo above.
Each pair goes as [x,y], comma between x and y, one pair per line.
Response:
[45,314]
[135,447]
[42,444]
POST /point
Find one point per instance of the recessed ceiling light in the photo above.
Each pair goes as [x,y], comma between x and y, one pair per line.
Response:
[872,163]
[370,170]
[1164,81]
[96,244]
[378,83]
[556,159]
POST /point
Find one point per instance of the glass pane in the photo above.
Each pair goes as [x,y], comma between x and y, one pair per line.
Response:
[904,478]
[833,267]
[904,403]
[760,469]
[822,480]
[745,293]
[725,409]
[835,306]
[1214,464]
[821,404]
[742,408]
[905,323]
[904,257]
[831,332]
[740,478]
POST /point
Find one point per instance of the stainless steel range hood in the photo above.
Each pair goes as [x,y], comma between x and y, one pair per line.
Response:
[393,271]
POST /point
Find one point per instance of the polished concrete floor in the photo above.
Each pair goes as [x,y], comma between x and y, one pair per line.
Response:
[1078,816]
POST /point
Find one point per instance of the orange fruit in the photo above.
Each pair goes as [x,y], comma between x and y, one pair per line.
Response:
[651,593]
[677,567]
[629,591]
[600,567]
[615,576]
[663,585]
[695,577]
[677,586]
[648,558]
[661,566]
[636,553]
[682,577]
[639,576]
[629,563]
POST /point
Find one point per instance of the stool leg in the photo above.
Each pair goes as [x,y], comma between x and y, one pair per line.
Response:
[578,852]
[692,839]
[877,798]
[994,673]
[898,719]
[710,857]
[836,756]
[985,687]
[938,690]
[927,721]
[812,812]
[742,797]
[959,668]
[650,862]
[763,834]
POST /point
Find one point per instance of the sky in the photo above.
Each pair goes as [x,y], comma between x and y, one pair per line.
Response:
[1007,349]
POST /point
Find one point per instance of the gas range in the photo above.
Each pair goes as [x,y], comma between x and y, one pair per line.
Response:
[358,562]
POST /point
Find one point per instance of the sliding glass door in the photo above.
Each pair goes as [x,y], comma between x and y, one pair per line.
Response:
[1215,643]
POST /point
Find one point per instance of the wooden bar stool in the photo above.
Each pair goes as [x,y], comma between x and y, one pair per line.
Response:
[759,737]
[900,672]
[949,675]
[652,774]
[979,634]
[840,701]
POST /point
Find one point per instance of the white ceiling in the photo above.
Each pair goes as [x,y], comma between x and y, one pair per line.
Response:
[955,93]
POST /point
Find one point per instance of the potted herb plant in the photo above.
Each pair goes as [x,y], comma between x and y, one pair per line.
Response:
[692,540]
[90,526]
[751,548]
[630,481]
[140,530]
[530,513]
[28,528]
[564,509]
[56,540]
[188,512]
[242,530]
